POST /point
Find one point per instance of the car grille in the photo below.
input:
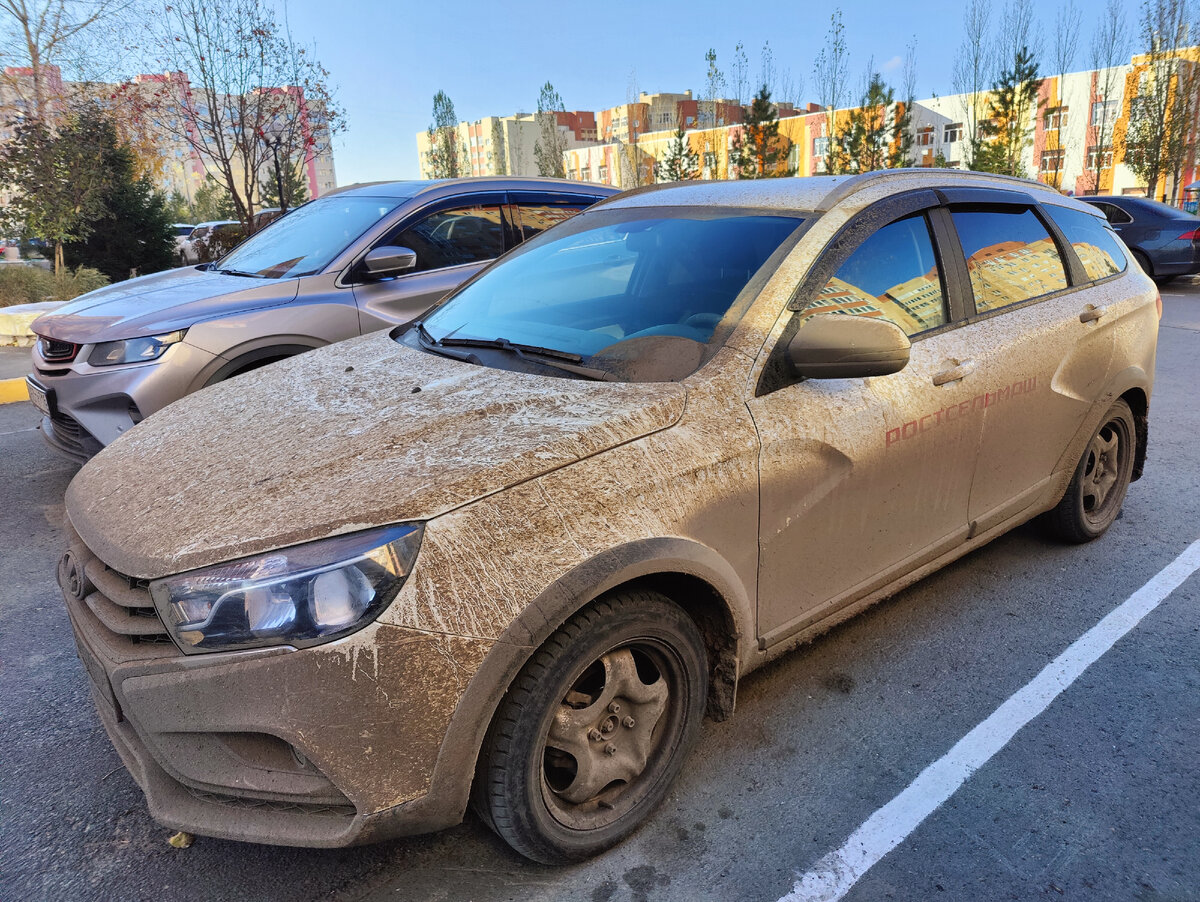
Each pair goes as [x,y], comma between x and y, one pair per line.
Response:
[247,803]
[123,605]
[72,437]
[54,351]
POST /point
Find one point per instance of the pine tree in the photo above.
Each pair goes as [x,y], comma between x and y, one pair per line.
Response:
[759,151]
[295,186]
[1004,137]
[680,162]
[134,235]
[876,136]
[446,157]
[548,151]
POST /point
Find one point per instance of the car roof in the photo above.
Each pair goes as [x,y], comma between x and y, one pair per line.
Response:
[820,193]
[437,187]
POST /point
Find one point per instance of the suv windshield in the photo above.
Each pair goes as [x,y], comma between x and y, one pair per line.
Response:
[645,294]
[306,239]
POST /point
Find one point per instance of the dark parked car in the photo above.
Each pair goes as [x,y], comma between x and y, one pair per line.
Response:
[1165,240]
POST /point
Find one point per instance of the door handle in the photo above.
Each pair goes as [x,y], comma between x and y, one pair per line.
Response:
[963,368]
[1090,313]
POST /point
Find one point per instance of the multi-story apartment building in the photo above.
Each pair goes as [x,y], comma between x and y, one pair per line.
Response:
[504,145]
[1076,134]
[156,115]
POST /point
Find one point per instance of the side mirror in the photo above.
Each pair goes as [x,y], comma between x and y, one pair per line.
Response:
[843,346]
[389,261]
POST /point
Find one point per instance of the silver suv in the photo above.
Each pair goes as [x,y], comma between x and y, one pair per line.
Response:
[356,260]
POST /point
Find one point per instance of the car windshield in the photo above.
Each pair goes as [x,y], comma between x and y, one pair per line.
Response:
[645,294]
[305,240]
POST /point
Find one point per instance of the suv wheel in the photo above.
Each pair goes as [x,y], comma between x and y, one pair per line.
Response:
[1097,490]
[595,728]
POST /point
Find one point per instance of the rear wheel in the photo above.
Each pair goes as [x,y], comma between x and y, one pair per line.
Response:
[595,728]
[1144,263]
[1097,490]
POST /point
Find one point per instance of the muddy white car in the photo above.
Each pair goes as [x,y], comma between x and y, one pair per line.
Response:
[517,551]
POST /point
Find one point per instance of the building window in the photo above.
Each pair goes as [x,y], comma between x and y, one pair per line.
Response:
[603,173]
[925,136]
[691,120]
[1105,112]
[1055,118]
[1052,160]
[1103,153]
[820,147]
[952,132]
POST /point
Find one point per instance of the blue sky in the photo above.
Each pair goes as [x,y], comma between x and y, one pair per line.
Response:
[387,59]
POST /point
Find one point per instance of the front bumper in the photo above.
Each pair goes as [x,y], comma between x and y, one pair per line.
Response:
[95,404]
[327,746]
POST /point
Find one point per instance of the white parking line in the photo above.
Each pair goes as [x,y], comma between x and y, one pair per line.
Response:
[833,876]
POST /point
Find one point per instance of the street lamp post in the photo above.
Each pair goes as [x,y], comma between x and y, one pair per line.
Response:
[275,142]
[272,135]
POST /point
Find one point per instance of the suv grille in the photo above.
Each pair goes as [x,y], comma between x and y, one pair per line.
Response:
[54,351]
[72,437]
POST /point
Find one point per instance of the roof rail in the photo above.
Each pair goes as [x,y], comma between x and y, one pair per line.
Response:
[856,183]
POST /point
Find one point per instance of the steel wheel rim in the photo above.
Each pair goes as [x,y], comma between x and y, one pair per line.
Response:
[1105,464]
[584,785]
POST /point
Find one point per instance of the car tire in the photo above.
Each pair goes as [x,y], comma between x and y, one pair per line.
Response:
[1097,490]
[1143,262]
[594,729]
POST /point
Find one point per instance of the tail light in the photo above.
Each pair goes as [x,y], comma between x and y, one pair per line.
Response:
[1193,236]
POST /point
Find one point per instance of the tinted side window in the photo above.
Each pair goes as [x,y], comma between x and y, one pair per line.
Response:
[1010,256]
[893,275]
[1094,244]
[1114,213]
[454,237]
[536,218]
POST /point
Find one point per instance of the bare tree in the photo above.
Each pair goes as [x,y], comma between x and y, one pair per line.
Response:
[973,68]
[714,90]
[908,89]
[1152,133]
[739,74]
[1110,48]
[239,91]
[498,147]
[830,74]
[1063,51]
[36,34]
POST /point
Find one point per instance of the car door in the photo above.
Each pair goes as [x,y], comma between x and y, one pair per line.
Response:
[1039,352]
[865,479]
[453,239]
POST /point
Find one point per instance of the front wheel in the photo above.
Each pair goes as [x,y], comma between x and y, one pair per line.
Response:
[595,728]
[1097,490]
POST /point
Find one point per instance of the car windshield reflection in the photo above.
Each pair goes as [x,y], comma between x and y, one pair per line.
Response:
[305,240]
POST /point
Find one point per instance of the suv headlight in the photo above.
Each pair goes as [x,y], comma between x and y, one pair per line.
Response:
[297,596]
[133,350]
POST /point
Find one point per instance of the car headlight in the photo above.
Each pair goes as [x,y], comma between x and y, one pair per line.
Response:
[297,596]
[133,350]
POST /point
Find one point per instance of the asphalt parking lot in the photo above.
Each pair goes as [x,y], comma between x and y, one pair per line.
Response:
[1097,797]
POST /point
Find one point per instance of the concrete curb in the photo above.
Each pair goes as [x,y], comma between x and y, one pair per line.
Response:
[13,390]
[15,322]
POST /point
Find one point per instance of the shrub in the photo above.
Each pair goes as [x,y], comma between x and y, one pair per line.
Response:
[32,284]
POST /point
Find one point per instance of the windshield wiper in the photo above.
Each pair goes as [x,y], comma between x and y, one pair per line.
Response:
[431,344]
[238,272]
[551,357]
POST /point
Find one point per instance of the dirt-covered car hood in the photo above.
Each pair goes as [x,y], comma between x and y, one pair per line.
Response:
[360,434]
[163,302]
